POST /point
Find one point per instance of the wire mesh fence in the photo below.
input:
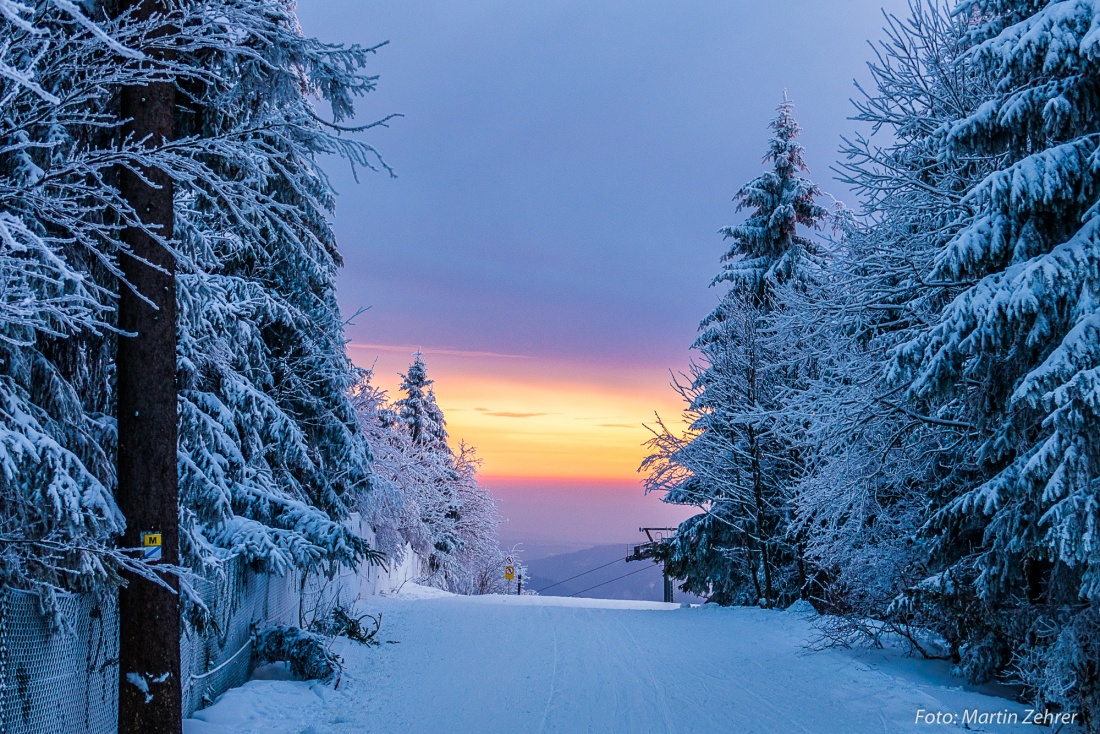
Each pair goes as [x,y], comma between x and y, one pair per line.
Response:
[64,677]
[216,654]
[60,675]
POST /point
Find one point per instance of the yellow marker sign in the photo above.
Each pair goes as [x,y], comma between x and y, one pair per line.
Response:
[509,573]
[151,545]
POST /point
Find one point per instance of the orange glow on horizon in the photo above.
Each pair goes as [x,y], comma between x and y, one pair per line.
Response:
[532,419]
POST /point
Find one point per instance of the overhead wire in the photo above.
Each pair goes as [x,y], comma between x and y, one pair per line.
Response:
[644,568]
[597,568]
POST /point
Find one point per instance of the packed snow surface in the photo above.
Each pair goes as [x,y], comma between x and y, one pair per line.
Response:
[550,664]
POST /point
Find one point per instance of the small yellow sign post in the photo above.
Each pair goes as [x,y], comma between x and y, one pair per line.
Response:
[151,546]
[509,573]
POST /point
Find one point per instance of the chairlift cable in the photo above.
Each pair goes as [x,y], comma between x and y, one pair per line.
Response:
[597,568]
[644,568]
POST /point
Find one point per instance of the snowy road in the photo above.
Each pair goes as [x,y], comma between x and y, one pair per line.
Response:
[545,664]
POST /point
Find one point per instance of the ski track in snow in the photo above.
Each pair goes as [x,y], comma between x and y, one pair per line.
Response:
[553,675]
[655,686]
[549,664]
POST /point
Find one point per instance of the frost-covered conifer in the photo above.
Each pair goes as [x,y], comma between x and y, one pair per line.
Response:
[875,460]
[730,465]
[424,422]
[767,250]
[418,409]
[270,457]
[426,496]
[734,464]
[60,220]
[1016,353]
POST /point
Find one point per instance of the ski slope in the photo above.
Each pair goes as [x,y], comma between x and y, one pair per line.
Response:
[548,664]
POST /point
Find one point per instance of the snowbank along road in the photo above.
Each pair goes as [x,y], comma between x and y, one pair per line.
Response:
[548,664]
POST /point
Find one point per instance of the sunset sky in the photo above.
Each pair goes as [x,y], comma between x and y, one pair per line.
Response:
[536,417]
[562,171]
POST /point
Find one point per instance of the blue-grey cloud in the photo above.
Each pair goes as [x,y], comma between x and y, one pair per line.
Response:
[563,167]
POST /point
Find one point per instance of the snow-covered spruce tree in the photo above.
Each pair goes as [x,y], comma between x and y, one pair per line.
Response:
[874,456]
[270,456]
[391,507]
[60,225]
[426,496]
[728,465]
[269,453]
[1017,352]
[418,409]
[767,251]
[734,465]
[423,420]
[407,506]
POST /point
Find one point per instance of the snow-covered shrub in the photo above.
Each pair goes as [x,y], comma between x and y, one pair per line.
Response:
[1060,664]
[307,653]
[485,572]
[342,622]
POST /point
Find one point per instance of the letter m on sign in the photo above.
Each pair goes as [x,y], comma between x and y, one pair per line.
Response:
[151,546]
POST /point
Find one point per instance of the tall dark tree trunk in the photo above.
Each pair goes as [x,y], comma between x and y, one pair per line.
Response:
[148,488]
[762,526]
[767,575]
[760,514]
[752,565]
